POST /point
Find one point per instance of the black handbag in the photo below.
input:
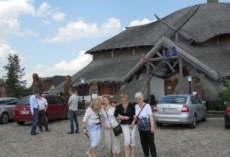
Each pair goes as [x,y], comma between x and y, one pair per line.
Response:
[117,130]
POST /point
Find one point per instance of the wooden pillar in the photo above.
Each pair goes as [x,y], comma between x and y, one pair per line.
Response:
[148,81]
[112,54]
[180,68]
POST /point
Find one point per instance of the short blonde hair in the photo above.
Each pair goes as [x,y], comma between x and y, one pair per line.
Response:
[123,95]
[96,105]
[139,94]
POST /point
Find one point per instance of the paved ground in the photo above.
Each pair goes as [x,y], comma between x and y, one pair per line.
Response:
[209,139]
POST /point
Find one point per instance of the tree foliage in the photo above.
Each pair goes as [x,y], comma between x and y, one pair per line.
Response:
[13,79]
[225,94]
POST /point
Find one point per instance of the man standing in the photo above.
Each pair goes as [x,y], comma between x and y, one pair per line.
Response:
[73,106]
[34,110]
[43,105]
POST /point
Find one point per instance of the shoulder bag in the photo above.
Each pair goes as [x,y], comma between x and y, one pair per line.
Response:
[117,130]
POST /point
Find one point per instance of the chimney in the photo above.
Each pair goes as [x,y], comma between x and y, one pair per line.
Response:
[212,1]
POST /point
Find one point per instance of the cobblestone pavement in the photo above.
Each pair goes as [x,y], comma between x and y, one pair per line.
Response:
[208,139]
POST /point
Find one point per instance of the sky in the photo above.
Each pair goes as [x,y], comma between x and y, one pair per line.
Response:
[52,36]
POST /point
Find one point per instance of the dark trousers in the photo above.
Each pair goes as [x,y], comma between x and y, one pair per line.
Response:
[35,121]
[42,120]
[147,142]
[73,117]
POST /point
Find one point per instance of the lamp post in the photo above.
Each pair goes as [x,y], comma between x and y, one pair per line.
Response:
[82,84]
[189,77]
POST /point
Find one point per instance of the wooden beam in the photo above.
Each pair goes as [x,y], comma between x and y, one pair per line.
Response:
[163,58]
[180,67]
[152,65]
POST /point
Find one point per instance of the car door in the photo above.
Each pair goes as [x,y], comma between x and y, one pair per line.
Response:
[196,106]
[10,107]
[202,108]
[52,110]
[60,107]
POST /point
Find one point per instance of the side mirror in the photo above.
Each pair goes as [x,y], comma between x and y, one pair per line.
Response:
[226,103]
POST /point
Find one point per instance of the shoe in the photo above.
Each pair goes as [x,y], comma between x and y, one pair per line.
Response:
[48,130]
[70,132]
[34,133]
[77,132]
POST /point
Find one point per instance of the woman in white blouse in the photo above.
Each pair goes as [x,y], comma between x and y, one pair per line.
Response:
[109,121]
[145,121]
[91,125]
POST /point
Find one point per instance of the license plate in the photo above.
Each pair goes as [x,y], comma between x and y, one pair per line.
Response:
[24,112]
[169,109]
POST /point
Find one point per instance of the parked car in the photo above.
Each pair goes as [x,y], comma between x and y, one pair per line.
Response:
[227,115]
[179,109]
[57,108]
[7,105]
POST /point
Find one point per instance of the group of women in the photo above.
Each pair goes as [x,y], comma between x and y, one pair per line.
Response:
[103,113]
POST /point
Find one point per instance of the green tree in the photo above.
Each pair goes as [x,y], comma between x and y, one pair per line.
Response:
[13,79]
[225,94]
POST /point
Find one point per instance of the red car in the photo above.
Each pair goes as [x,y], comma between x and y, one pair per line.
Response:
[57,108]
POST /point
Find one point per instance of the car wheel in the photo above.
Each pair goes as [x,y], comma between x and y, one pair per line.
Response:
[159,124]
[193,124]
[20,122]
[4,118]
[204,119]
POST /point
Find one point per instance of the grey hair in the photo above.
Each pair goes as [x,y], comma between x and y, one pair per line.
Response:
[139,94]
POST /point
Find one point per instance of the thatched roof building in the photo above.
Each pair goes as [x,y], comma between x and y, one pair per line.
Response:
[200,36]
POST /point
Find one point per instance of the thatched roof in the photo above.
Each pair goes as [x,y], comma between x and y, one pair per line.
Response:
[211,17]
[104,69]
[216,57]
[210,88]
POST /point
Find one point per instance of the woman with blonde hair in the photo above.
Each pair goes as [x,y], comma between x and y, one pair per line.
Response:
[91,125]
[145,121]
[126,112]
[109,122]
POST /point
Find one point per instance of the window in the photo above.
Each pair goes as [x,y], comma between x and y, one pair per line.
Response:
[50,100]
[57,101]
[193,100]
[174,100]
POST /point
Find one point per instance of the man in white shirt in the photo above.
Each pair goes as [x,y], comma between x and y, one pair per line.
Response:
[73,106]
[43,106]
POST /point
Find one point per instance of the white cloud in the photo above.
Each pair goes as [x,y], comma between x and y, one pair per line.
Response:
[46,11]
[62,68]
[10,12]
[138,22]
[26,33]
[80,29]
[46,22]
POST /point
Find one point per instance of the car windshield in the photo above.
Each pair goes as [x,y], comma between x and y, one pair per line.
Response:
[174,100]
[24,101]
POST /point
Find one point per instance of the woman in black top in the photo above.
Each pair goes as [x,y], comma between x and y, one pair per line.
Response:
[126,112]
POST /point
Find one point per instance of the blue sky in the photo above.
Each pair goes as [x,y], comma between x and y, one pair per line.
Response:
[51,36]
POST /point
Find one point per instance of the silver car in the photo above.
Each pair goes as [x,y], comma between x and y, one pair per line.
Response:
[179,109]
[7,105]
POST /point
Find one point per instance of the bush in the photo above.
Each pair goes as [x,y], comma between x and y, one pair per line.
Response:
[225,94]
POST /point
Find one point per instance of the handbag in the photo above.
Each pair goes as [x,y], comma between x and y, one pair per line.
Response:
[117,130]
